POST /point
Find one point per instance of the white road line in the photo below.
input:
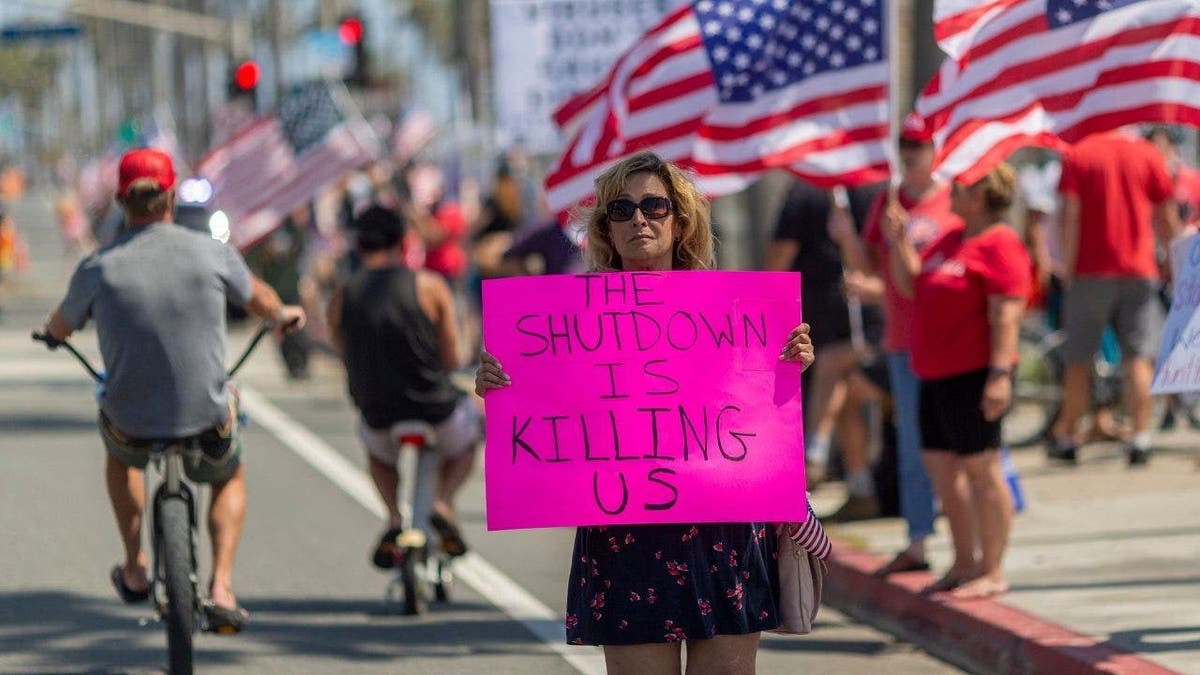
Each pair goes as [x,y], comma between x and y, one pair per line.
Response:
[481,575]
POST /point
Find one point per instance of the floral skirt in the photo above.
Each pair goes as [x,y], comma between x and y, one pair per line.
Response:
[664,583]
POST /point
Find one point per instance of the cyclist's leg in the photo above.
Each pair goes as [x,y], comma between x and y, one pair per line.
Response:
[383,455]
[221,467]
[458,442]
[127,493]
[226,516]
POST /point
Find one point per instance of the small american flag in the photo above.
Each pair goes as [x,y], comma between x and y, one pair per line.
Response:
[732,88]
[280,162]
[1049,72]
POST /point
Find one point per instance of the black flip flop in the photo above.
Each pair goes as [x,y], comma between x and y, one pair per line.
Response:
[384,555]
[128,595]
[452,540]
[224,620]
[903,562]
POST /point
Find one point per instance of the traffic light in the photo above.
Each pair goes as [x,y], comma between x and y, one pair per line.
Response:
[352,32]
[243,82]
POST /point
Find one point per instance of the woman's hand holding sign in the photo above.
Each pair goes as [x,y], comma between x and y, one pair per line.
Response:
[490,376]
[799,348]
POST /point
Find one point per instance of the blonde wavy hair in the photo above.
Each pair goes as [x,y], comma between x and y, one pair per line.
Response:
[693,247]
[999,188]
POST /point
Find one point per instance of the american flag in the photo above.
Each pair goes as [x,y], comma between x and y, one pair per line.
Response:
[732,88]
[1049,72]
[280,162]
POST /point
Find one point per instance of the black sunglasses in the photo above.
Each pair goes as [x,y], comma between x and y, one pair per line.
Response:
[621,210]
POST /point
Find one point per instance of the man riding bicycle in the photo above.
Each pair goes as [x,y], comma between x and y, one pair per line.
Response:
[158,295]
[397,334]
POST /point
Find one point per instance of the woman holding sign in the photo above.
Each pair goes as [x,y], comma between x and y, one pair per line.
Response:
[641,590]
[970,288]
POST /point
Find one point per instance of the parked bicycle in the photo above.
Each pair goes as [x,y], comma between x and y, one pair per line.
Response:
[174,528]
[1038,392]
[423,573]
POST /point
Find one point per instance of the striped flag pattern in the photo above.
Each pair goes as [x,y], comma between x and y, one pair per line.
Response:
[1049,72]
[732,88]
[280,162]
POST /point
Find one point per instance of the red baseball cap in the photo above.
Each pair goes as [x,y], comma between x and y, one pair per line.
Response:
[915,129]
[145,163]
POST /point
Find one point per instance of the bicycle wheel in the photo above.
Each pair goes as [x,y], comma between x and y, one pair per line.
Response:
[444,579]
[413,602]
[174,532]
[1037,391]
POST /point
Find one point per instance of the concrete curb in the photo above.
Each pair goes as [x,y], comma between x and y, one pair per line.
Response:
[981,636]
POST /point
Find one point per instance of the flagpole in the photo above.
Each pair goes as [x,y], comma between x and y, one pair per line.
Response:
[362,131]
[895,111]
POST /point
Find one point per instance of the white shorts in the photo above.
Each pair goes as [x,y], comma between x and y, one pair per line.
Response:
[457,435]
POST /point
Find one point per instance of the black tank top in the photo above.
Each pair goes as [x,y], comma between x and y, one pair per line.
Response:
[391,346]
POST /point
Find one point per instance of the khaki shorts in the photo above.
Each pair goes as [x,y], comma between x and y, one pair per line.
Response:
[221,449]
[456,436]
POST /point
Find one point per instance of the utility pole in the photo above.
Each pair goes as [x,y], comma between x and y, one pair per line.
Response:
[275,18]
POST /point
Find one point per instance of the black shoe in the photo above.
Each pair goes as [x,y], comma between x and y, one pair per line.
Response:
[1168,421]
[1062,453]
[384,555]
[1138,456]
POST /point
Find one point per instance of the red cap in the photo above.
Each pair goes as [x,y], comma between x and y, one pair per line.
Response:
[915,129]
[145,163]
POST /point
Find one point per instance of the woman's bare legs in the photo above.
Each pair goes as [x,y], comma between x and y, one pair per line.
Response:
[993,507]
[723,655]
[653,659]
[950,484]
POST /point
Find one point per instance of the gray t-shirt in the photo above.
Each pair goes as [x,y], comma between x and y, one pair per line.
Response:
[158,296]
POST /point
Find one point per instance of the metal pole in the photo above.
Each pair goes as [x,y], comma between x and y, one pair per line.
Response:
[275,21]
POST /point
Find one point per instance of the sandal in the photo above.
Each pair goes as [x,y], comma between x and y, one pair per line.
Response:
[452,540]
[903,562]
[944,585]
[384,556]
[224,620]
[128,595]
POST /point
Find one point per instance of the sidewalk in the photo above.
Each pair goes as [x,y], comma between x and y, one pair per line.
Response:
[1104,565]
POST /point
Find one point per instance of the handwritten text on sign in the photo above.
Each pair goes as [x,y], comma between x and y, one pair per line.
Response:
[643,398]
[1178,366]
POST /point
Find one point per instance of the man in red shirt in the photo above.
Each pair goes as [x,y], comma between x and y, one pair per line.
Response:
[1116,198]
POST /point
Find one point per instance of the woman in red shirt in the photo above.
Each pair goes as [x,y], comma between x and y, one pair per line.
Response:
[969,289]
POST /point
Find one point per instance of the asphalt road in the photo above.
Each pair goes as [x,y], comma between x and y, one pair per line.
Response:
[317,606]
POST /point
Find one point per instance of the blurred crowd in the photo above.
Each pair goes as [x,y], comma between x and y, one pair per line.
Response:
[463,231]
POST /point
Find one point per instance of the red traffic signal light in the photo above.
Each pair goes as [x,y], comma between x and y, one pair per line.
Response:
[246,75]
[350,31]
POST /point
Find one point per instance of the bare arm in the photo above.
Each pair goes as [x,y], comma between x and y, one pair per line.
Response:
[439,304]
[57,326]
[1004,317]
[1070,236]
[1166,221]
[780,255]
[333,318]
[265,304]
[1039,244]
[854,251]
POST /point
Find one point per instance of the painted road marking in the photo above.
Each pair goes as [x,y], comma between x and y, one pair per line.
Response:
[497,587]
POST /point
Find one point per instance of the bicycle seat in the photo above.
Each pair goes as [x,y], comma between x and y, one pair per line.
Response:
[413,432]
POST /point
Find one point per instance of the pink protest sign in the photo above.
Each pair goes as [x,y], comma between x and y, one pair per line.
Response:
[643,398]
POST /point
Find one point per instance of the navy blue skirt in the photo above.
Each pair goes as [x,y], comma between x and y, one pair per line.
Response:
[665,583]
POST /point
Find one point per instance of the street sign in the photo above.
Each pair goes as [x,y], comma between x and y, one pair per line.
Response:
[63,31]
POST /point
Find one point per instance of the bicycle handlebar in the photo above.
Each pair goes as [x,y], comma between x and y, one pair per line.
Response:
[53,344]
